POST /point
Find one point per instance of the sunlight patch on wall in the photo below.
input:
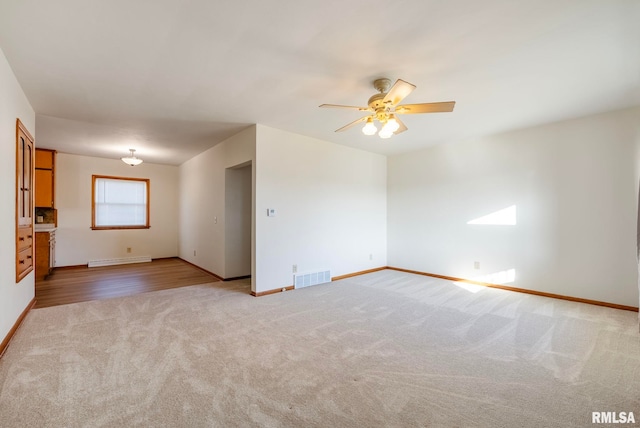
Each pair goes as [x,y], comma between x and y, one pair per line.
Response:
[506,216]
[501,277]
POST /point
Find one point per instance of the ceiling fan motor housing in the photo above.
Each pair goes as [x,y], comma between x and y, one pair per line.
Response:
[380,108]
[382,85]
[376,102]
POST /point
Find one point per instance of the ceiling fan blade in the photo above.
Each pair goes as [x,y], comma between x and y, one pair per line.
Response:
[402,127]
[352,124]
[443,107]
[398,92]
[344,107]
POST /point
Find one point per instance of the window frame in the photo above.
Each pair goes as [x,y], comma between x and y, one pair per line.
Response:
[93,202]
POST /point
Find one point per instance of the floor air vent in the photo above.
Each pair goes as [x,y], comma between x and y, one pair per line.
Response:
[311,278]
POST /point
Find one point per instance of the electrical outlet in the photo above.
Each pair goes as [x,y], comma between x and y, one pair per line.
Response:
[295,268]
[194,253]
[215,220]
[370,256]
[128,249]
[476,265]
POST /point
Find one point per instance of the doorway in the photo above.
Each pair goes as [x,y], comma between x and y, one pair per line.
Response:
[237,233]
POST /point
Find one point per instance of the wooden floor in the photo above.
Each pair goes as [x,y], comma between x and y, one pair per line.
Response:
[83,284]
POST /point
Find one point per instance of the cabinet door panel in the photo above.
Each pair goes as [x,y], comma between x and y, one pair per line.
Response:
[43,255]
[44,188]
[44,159]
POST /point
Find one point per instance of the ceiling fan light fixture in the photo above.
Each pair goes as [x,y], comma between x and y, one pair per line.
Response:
[131,160]
[392,124]
[385,133]
[369,128]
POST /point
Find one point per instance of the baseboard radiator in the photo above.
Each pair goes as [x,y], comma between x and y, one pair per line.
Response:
[306,279]
[119,261]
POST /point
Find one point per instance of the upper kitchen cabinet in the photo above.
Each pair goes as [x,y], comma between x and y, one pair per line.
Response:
[45,178]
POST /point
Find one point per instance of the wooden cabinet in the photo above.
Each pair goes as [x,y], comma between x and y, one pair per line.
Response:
[24,201]
[45,253]
[45,178]
[24,252]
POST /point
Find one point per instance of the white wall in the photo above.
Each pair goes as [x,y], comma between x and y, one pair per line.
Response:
[14,298]
[331,207]
[76,243]
[575,186]
[238,220]
[202,199]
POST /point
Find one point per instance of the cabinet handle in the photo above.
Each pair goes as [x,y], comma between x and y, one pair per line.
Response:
[29,257]
[29,236]
[21,238]
[21,262]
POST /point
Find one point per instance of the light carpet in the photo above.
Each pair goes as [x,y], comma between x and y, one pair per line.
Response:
[383,349]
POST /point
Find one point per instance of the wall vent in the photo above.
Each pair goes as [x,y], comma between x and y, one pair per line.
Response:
[306,279]
[119,261]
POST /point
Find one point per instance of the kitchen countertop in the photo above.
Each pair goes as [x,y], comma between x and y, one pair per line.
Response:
[44,227]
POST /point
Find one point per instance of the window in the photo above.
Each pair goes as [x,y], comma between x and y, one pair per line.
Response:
[120,203]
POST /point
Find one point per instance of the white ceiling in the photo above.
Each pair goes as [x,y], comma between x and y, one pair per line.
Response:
[171,78]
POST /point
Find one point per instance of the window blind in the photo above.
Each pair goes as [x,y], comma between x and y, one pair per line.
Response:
[120,202]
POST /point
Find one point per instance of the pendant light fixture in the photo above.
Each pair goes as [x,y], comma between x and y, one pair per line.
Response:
[132,159]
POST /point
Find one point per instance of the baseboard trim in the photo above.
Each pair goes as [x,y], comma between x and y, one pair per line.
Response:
[335,278]
[70,267]
[202,269]
[166,258]
[153,259]
[274,291]
[237,277]
[362,272]
[5,343]
[86,266]
[521,290]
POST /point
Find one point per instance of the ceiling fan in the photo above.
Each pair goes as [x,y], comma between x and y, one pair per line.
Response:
[384,107]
